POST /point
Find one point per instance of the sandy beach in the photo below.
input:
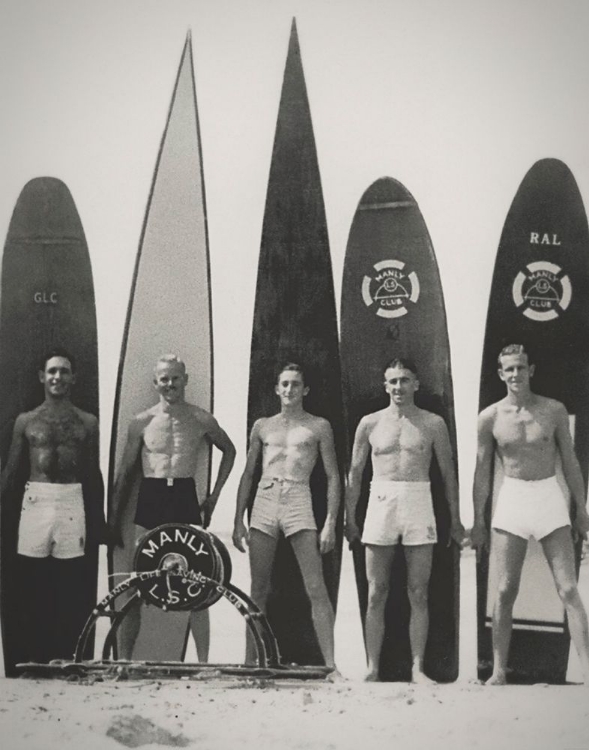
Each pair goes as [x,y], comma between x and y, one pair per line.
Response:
[222,713]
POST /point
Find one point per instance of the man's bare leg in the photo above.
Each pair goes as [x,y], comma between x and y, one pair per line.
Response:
[200,626]
[306,548]
[419,568]
[262,549]
[379,560]
[559,551]
[509,552]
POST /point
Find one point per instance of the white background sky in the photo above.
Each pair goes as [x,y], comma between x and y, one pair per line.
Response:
[455,98]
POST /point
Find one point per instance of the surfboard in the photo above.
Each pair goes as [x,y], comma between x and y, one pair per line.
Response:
[46,300]
[540,298]
[295,319]
[392,306]
[169,312]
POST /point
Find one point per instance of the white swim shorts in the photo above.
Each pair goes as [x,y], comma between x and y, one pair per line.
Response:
[530,508]
[282,505]
[52,521]
[399,513]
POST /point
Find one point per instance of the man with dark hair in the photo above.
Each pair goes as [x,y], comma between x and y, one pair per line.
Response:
[287,445]
[401,440]
[528,432]
[61,444]
[168,438]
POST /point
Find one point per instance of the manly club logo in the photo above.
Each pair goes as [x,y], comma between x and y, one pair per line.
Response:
[390,289]
[542,291]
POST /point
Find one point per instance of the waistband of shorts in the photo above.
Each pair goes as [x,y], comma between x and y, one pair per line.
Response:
[53,489]
[547,481]
[168,481]
[400,485]
[284,480]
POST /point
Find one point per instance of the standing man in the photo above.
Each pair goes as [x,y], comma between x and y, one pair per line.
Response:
[287,446]
[400,440]
[58,522]
[528,432]
[168,438]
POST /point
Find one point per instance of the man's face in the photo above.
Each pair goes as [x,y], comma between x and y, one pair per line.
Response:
[57,377]
[291,387]
[401,385]
[515,371]
[170,381]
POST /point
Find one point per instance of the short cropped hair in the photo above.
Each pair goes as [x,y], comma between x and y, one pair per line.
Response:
[57,351]
[169,359]
[403,362]
[513,349]
[294,366]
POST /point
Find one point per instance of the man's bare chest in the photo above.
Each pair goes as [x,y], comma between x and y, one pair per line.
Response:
[56,431]
[397,436]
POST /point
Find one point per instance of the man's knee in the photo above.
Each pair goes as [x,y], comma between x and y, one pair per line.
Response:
[378,592]
[568,592]
[507,592]
[418,594]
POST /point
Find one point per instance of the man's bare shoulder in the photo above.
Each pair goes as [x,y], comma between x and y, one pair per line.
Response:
[89,420]
[550,405]
[489,414]
[369,421]
[201,415]
[318,425]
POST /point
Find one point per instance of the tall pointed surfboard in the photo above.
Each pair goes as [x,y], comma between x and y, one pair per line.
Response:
[539,298]
[295,319]
[46,300]
[392,306]
[169,312]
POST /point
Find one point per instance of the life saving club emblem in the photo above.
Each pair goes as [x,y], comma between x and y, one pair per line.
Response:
[542,291]
[390,289]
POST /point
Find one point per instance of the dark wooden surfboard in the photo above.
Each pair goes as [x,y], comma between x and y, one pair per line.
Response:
[169,312]
[46,300]
[539,298]
[392,306]
[295,319]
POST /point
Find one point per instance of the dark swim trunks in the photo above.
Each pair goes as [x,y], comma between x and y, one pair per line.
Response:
[167,501]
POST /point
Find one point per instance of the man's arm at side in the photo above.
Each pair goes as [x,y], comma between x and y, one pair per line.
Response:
[254,454]
[221,440]
[94,489]
[14,454]
[122,485]
[360,452]
[482,478]
[329,458]
[571,470]
[443,452]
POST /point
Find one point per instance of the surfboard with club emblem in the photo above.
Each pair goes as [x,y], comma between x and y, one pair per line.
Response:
[539,298]
[47,301]
[169,312]
[392,306]
[295,319]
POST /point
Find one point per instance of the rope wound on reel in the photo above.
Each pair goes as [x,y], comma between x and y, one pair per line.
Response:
[173,550]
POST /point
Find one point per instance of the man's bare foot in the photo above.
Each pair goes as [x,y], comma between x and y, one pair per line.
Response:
[497,678]
[418,677]
[371,676]
[335,676]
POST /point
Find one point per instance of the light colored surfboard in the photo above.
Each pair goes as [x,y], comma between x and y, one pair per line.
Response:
[169,312]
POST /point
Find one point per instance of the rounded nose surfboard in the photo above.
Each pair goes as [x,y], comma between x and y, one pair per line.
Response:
[392,306]
[169,312]
[539,298]
[295,319]
[46,300]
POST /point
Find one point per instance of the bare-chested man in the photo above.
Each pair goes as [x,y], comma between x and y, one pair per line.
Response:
[58,523]
[528,432]
[168,437]
[401,440]
[288,445]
